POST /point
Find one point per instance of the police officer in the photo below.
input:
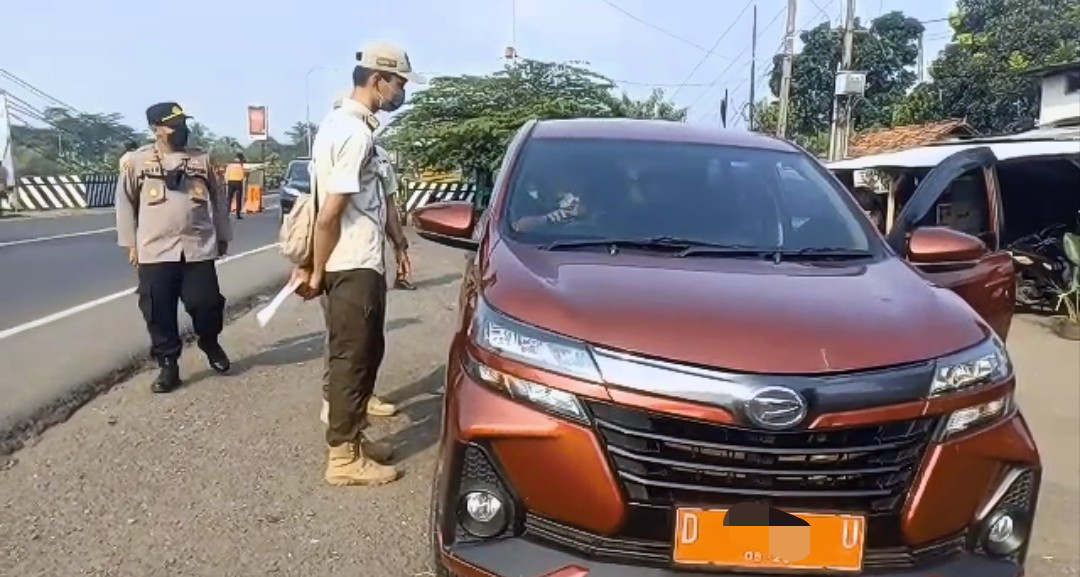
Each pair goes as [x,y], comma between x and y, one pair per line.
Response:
[172,217]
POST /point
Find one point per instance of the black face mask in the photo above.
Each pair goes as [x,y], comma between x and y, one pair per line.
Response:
[394,102]
[178,138]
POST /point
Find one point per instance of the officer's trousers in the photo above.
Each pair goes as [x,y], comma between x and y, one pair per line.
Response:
[162,285]
[355,314]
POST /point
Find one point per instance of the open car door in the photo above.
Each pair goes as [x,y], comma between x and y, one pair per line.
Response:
[987,283]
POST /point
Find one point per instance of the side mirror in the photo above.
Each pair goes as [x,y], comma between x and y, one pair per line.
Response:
[447,223]
[940,245]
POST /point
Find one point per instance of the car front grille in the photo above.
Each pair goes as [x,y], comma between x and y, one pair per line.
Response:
[664,462]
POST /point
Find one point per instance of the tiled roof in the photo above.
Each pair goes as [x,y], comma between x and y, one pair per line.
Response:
[909,136]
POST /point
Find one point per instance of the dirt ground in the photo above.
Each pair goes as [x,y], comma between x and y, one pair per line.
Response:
[223,477]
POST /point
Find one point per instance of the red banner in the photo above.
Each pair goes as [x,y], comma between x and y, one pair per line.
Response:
[258,123]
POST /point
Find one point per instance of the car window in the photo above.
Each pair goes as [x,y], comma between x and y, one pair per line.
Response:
[298,172]
[606,188]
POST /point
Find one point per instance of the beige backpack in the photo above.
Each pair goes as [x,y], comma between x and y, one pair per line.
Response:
[297,236]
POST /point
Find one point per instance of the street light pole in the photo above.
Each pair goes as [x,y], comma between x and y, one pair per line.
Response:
[307,106]
[307,102]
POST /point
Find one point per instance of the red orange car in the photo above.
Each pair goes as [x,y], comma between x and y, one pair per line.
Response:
[660,322]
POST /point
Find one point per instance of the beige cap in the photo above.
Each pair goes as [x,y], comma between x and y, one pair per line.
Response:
[388,58]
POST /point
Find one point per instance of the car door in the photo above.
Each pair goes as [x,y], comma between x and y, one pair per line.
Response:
[987,284]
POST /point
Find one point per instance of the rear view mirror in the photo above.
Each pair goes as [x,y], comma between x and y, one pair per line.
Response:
[939,245]
[447,223]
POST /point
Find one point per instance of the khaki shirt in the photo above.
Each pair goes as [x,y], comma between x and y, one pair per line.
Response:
[170,225]
[343,158]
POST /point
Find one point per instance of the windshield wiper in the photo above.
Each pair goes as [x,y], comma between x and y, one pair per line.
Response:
[825,252]
[684,246]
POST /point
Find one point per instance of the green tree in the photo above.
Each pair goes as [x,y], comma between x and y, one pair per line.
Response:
[464,122]
[64,141]
[982,74]
[886,51]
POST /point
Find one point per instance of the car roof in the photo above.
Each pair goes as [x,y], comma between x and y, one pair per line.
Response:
[655,130]
[932,155]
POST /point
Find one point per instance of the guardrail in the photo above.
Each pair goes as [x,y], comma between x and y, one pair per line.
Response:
[60,192]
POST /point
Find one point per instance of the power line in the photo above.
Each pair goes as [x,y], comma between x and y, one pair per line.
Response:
[655,27]
[720,76]
[714,46]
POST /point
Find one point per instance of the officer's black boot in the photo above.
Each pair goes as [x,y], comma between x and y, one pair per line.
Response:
[216,356]
[168,378]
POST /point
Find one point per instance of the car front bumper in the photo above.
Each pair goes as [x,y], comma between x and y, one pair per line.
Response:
[519,557]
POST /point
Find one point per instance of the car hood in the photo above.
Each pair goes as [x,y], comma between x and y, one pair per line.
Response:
[738,314]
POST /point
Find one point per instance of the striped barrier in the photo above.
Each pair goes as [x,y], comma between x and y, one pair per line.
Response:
[60,192]
[423,193]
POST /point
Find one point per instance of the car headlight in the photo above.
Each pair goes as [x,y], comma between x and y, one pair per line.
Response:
[510,339]
[968,418]
[986,362]
[551,400]
[517,341]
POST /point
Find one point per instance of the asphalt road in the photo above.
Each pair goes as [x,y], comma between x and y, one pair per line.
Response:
[52,264]
[224,477]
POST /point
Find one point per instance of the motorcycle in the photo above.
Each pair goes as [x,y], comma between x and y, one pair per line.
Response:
[1042,267]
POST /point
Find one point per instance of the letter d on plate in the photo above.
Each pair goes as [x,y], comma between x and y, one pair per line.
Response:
[689,533]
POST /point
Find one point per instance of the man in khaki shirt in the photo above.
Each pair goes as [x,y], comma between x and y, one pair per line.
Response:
[349,260]
[172,217]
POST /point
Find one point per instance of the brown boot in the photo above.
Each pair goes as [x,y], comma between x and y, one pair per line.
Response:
[347,465]
[376,407]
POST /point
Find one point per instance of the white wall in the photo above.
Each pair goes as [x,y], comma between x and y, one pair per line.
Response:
[1056,104]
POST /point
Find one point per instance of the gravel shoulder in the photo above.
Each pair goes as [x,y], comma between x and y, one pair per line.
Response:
[223,477]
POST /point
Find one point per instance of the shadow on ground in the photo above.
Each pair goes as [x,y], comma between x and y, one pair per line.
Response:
[436,281]
[420,402]
[290,351]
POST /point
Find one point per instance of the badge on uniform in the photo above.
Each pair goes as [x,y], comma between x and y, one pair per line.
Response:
[154,195]
[197,190]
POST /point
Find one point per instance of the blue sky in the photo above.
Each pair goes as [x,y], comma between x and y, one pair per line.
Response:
[217,56]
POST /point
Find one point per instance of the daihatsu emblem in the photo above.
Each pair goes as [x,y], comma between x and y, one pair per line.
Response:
[775,408]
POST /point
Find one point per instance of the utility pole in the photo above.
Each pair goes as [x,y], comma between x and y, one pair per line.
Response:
[785,80]
[10,182]
[921,64]
[753,68]
[843,98]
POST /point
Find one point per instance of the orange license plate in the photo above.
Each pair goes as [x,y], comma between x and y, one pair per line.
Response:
[826,543]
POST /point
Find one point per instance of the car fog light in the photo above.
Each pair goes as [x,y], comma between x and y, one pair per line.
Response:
[482,514]
[1005,534]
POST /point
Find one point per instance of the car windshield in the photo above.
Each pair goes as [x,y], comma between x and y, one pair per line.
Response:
[571,190]
[298,172]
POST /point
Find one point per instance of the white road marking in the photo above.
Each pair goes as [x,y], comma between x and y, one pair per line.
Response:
[55,237]
[59,315]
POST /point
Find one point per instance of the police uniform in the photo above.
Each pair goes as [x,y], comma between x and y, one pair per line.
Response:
[171,211]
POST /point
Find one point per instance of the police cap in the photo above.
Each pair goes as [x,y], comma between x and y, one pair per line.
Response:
[165,114]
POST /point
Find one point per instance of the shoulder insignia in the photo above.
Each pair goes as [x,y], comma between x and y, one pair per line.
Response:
[371,122]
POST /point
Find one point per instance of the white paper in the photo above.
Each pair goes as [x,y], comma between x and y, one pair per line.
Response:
[267,313]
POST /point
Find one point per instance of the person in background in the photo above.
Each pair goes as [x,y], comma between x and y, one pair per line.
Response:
[3,186]
[174,223]
[870,202]
[394,229]
[234,184]
[349,263]
[376,407]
